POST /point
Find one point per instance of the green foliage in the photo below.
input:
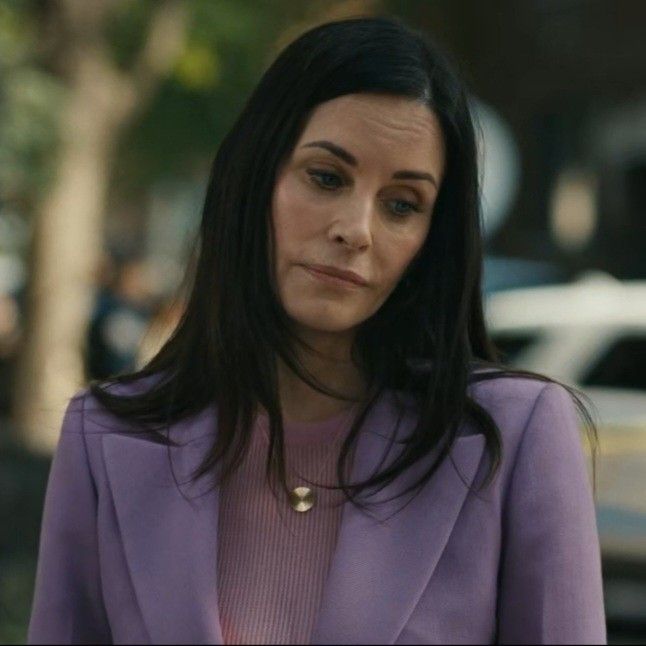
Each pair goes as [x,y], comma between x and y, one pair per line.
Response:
[29,108]
[126,28]
[30,100]
[227,49]
[198,68]
[15,36]
[227,46]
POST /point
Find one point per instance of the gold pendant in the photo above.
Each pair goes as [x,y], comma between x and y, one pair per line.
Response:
[301,499]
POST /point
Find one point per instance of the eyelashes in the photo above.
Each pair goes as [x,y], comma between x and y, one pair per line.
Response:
[319,178]
[317,175]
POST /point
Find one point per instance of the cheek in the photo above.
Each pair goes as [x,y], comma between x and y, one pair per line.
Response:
[292,215]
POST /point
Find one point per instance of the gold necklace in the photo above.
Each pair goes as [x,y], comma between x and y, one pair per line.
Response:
[303,498]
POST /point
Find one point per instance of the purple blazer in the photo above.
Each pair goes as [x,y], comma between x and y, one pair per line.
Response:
[125,557]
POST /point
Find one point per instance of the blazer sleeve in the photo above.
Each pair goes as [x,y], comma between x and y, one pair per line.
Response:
[67,605]
[550,584]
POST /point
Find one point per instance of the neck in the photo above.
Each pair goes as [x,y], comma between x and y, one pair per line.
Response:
[330,363]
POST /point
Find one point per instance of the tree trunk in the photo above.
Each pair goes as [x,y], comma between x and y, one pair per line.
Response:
[68,224]
[66,244]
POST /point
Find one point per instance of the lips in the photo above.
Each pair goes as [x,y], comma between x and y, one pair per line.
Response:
[338,273]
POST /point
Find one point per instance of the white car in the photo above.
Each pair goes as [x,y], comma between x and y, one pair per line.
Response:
[591,334]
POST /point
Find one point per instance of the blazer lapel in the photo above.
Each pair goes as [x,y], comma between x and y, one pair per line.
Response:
[379,569]
[169,537]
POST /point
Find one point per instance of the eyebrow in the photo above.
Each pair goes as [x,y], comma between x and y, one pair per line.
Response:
[351,160]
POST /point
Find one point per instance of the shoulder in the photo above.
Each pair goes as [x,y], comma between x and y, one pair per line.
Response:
[97,420]
[525,408]
[513,398]
[86,412]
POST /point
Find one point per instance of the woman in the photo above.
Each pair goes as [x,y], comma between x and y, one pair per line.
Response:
[427,494]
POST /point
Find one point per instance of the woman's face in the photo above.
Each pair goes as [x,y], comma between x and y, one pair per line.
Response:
[357,193]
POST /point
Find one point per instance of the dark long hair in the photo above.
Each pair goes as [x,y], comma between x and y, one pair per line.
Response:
[428,339]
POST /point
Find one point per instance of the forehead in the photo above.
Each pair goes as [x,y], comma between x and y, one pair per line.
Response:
[378,124]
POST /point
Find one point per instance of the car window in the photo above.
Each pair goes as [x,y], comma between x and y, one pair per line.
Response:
[623,365]
[511,344]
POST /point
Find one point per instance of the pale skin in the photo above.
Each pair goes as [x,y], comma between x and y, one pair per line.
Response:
[355,216]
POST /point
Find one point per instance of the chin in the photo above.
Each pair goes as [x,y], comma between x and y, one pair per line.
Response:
[327,322]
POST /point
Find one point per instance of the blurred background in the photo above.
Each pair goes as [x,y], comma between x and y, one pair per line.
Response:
[111,112]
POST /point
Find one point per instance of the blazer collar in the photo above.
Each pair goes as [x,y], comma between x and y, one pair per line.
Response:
[378,571]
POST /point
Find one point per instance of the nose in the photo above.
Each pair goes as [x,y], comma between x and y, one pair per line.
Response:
[352,224]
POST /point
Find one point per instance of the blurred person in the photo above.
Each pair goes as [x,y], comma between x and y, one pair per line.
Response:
[10,335]
[122,311]
[334,327]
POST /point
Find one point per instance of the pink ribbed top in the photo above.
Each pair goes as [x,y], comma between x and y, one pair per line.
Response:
[272,560]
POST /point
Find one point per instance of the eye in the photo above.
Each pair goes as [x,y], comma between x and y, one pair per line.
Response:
[325,179]
[407,206]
